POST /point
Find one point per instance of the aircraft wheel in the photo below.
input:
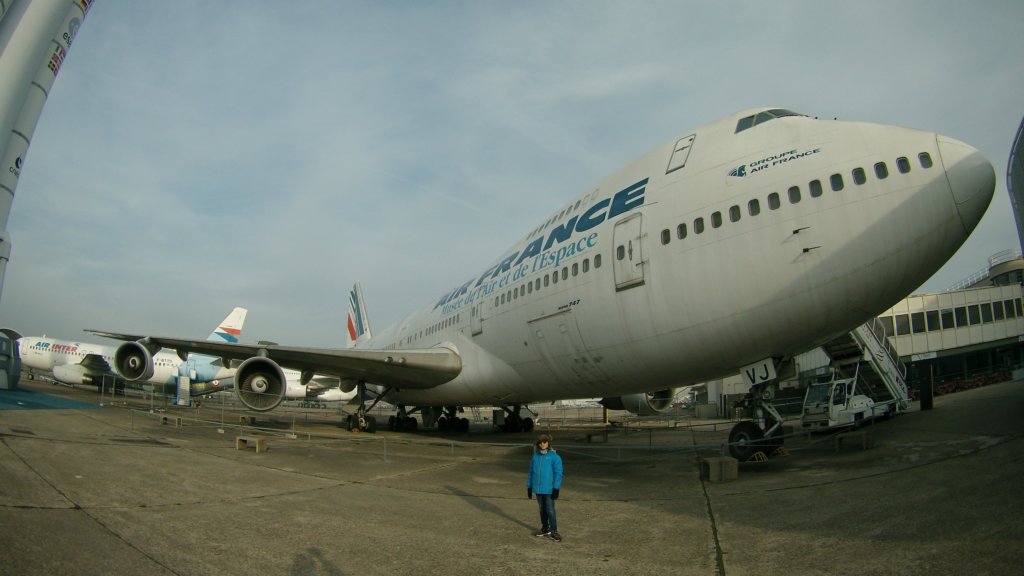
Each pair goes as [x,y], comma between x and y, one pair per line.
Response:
[371,424]
[410,424]
[744,440]
[391,423]
[528,425]
[442,424]
[350,422]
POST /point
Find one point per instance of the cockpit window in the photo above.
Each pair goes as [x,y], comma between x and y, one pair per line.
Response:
[762,117]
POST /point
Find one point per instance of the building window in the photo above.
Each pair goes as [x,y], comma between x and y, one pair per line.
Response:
[773,201]
[986,312]
[947,319]
[997,311]
[753,207]
[881,170]
[887,325]
[917,322]
[973,315]
[902,324]
[961,316]
[859,177]
[932,316]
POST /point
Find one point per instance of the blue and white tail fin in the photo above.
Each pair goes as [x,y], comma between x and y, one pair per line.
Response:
[357,325]
[230,330]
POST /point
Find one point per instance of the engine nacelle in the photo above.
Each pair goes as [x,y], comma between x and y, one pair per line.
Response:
[73,374]
[134,362]
[644,404]
[260,384]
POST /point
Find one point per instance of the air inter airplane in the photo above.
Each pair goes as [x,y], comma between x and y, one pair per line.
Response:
[78,363]
[757,237]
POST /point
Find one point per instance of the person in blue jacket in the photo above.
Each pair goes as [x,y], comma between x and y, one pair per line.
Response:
[545,480]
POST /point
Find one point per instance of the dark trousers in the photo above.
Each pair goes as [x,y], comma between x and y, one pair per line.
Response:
[547,512]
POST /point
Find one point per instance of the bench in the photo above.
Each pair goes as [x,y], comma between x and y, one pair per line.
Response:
[593,436]
[243,442]
[863,436]
[176,420]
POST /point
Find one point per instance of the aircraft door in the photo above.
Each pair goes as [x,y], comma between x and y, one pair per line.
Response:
[628,254]
[476,317]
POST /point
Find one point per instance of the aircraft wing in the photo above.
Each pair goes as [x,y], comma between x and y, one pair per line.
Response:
[96,364]
[410,369]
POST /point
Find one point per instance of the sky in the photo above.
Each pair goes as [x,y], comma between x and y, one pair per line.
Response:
[198,155]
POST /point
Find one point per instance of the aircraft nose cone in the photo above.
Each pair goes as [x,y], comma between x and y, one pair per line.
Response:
[972,180]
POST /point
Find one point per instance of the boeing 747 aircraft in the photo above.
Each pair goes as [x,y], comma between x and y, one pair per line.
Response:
[756,237]
[79,363]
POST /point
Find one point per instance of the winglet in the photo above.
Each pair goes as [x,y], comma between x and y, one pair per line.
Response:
[231,328]
[357,326]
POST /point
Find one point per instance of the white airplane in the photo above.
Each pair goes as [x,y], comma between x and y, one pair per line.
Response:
[78,363]
[756,237]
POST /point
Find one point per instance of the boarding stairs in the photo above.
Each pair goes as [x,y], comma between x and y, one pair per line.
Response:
[881,375]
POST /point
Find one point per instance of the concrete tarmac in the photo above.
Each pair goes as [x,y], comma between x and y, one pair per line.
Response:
[114,491]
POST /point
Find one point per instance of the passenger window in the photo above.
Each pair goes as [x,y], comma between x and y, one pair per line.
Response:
[925,159]
[773,201]
[586,265]
[837,181]
[666,236]
[620,252]
[565,273]
[794,194]
[716,219]
[546,280]
[903,165]
[576,267]
[597,261]
[815,188]
[698,226]
[681,231]
[554,277]
[859,177]
[734,214]
[753,207]
[881,170]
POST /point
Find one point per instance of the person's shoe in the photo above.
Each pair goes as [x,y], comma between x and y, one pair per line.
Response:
[541,532]
[556,536]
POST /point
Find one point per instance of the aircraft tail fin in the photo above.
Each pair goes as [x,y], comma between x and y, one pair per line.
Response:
[231,328]
[357,325]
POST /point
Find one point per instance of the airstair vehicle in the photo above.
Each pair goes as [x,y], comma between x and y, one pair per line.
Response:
[877,386]
[868,381]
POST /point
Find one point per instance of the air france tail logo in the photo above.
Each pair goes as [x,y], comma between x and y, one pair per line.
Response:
[229,334]
[356,327]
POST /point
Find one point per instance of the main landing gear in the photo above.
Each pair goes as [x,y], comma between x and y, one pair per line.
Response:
[514,420]
[763,433]
[450,420]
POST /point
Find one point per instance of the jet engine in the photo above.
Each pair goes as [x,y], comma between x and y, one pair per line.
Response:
[73,374]
[260,384]
[134,361]
[644,404]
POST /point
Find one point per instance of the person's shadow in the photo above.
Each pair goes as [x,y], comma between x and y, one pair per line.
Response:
[485,506]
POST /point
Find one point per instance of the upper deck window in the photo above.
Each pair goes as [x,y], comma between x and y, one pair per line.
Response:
[762,117]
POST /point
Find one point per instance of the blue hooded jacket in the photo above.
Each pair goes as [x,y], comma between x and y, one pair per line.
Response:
[545,472]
